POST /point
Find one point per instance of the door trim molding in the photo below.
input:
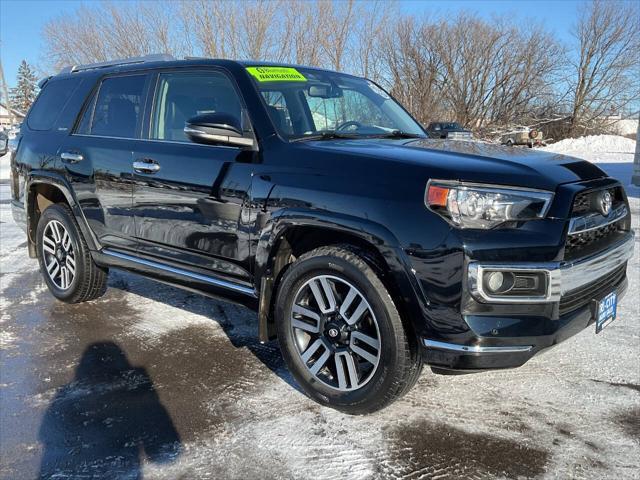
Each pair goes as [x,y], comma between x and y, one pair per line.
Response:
[218,282]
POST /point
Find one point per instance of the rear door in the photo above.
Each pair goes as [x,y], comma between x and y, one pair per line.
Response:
[188,197]
[98,156]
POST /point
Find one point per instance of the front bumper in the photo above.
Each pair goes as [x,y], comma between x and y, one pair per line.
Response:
[522,336]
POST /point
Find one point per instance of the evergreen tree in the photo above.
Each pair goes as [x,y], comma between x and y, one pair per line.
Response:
[23,95]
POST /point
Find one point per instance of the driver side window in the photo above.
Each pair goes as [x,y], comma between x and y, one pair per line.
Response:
[181,96]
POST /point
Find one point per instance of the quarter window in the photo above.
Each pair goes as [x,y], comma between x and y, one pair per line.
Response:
[51,102]
[117,110]
[181,96]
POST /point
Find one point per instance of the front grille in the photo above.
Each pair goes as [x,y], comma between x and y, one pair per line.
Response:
[580,244]
[597,239]
[585,202]
[584,295]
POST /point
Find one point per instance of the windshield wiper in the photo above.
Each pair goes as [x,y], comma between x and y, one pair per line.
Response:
[327,135]
[399,134]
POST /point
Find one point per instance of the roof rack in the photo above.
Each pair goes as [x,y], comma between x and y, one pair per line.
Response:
[156,57]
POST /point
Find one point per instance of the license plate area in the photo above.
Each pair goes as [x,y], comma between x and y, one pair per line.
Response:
[606,310]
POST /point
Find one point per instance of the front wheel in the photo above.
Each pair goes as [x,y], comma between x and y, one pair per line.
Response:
[65,259]
[340,332]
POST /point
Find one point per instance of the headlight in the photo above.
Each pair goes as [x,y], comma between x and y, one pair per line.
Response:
[485,206]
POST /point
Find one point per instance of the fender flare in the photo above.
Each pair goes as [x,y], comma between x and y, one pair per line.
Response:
[374,234]
[56,180]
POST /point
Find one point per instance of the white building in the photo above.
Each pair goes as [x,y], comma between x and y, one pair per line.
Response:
[5,119]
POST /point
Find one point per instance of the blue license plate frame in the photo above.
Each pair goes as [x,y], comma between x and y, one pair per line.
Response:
[606,311]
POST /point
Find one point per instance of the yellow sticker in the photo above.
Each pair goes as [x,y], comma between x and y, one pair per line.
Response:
[276,74]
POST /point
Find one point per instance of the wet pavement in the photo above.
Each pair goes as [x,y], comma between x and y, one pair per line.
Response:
[154,382]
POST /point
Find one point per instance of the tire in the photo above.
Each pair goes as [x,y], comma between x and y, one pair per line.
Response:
[365,385]
[83,280]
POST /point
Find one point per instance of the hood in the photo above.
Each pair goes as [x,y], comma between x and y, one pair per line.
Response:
[471,161]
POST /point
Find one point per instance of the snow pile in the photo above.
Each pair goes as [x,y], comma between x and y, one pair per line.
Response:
[594,144]
[4,166]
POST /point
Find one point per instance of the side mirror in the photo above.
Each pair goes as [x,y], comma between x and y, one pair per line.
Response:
[217,129]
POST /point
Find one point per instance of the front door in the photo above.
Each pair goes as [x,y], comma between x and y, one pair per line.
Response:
[188,197]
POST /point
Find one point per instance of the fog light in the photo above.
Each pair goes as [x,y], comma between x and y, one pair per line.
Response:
[494,281]
[513,284]
[499,282]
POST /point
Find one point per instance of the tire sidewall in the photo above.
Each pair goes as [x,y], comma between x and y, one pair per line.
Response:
[60,214]
[391,339]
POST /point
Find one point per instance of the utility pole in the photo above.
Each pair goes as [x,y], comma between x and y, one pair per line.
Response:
[5,94]
[635,179]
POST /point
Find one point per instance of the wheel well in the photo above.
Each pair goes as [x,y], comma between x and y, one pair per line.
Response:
[299,240]
[41,195]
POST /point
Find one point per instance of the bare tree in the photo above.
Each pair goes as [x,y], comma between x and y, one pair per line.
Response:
[605,72]
[412,67]
[109,30]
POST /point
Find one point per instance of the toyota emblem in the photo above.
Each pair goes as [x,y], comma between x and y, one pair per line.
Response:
[333,332]
[605,203]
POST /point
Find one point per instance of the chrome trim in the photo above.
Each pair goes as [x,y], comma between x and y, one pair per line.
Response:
[454,347]
[156,140]
[226,139]
[71,157]
[581,272]
[593,221]
[563,277]
[145,167]
[203,278]
[476,272]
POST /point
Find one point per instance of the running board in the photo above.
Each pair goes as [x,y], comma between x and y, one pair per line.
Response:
[185,273]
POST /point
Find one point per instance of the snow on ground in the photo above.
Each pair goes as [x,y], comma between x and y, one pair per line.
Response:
[590,147]
[197,377]
[4,167]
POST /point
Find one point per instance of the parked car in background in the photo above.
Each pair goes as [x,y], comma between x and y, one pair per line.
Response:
[4,143]
[366,248]
[523,136]
[450,130]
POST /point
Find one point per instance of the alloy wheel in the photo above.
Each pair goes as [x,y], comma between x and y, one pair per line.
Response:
[336,332]
[58,254]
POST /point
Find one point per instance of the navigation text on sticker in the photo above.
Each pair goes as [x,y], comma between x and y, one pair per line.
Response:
[276,74]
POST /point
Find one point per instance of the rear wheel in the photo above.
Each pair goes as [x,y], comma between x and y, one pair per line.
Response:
[340,332]
[65,260]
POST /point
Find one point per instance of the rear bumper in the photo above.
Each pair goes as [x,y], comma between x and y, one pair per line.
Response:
[521,337]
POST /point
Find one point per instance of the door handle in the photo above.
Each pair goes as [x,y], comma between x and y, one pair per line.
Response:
[71,157]
[146,166]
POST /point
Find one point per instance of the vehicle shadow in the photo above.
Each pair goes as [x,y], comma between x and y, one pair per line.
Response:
[242,332]
[101,424]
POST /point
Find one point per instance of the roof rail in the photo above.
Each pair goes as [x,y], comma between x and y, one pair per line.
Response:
[156,57]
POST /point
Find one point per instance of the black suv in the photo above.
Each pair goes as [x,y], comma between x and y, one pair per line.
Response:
[366,248]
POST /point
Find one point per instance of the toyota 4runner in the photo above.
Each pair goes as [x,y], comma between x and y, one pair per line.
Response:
[366,248]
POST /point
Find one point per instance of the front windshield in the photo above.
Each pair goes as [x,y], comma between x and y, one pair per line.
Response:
[308,103]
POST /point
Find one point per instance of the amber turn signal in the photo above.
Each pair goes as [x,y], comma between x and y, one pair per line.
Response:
[437,196]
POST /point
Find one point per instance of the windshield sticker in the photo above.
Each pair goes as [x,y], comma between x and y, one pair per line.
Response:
[276,74]
[378,90]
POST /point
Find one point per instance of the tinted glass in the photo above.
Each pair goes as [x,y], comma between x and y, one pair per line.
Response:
[181,96]
[118,107]
[84,126]
[51,102]
[318,101]
[278,111]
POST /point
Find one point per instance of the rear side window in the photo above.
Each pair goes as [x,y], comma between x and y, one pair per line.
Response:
[51,102]
[117,109]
